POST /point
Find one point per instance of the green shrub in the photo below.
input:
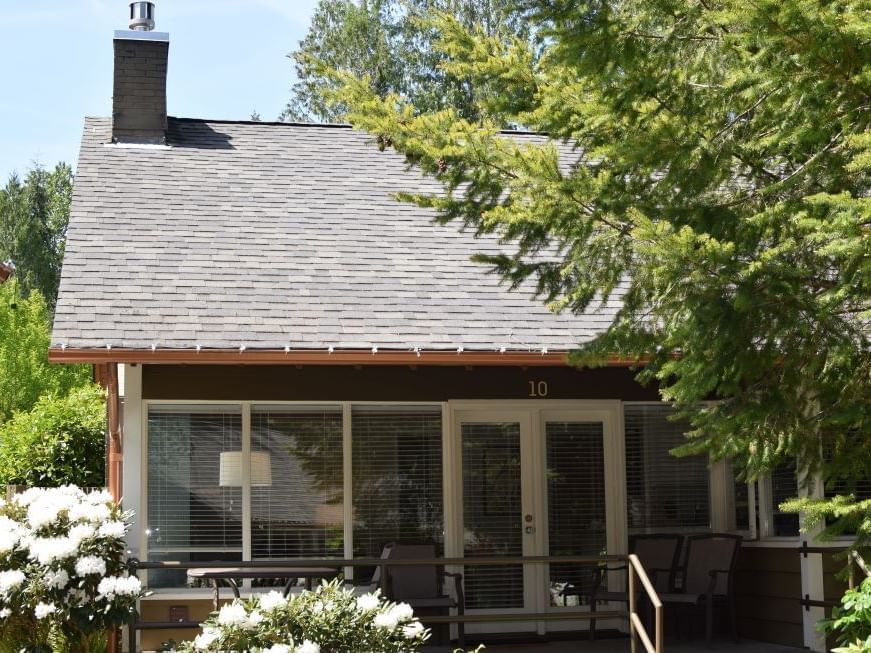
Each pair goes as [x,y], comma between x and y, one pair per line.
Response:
[851,621]
[25,336]
[60,441]
[329,619]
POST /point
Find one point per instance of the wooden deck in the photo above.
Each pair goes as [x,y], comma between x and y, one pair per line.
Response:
[621,645]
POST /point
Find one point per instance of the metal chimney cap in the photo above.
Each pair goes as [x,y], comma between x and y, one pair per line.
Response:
[142,16]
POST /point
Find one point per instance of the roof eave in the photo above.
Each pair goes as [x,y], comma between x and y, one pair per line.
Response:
[316,357]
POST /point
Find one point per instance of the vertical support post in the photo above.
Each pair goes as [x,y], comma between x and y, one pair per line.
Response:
[632,608]
[114,453]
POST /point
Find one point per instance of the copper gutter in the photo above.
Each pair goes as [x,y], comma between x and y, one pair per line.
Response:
[316,357]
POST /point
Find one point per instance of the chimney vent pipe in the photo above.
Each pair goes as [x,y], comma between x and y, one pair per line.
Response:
[142,16]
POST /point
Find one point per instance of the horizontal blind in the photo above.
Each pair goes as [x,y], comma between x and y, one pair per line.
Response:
[784,485]
[188,510]
[492,512]
[296,508]
[664,493]
[397,477]
[575,501]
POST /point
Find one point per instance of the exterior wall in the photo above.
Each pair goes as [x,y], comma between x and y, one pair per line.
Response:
[387,383]
[158,610]
[768,588]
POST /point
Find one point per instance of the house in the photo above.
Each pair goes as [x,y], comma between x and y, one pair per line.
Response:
[313,369]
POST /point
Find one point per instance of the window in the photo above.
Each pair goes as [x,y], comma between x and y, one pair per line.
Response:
[397,476]
[664,493]
[192,515]
[783,485]
[197,478]
[296,482]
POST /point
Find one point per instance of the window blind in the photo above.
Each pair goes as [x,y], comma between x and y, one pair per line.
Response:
[190,516]
[664,493]
[298,513]
[397,477]
[575,501]
[784,485]
[492,512]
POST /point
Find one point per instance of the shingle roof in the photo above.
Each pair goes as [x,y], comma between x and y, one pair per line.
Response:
[271,235]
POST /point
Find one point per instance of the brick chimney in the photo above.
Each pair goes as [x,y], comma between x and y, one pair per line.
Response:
[139,97]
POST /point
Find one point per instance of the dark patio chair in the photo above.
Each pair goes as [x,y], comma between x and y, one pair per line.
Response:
[422,587]
[707,577]
[659,554]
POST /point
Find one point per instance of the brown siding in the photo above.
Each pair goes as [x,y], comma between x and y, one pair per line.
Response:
[151,640]
[382,383]
[768,588]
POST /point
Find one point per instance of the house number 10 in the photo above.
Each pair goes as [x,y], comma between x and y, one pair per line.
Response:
[538,388]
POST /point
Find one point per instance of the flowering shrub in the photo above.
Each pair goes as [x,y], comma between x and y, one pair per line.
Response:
[63,580]
[329,619]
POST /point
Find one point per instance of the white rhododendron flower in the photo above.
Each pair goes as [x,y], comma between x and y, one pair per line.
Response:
[233,614]
[308,646]
[402,612]
[277,648]
[272,601]
[412,630]
[56,580]
[10,534]
[5,612]
[205,639]
[46,550]
[42,610]
[386,620]
[112,530]
[90,565]
[9,580]
[368,602]
[81,532]
[94,513]
[113,586]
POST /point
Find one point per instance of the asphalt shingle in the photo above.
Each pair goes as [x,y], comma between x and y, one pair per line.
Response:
[272,235]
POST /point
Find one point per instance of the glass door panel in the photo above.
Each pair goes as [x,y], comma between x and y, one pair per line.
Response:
[492,512]
[575,478]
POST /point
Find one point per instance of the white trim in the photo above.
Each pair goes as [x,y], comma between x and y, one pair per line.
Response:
[347,488]
[246,482]
[812,577]
[721,496]
[132,448]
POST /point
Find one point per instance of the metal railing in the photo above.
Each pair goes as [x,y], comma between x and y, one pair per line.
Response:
[636,625]
[384,563]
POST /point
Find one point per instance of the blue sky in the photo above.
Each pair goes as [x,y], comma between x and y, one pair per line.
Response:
[226,59]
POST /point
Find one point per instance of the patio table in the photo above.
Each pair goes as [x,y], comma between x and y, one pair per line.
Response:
[231,574]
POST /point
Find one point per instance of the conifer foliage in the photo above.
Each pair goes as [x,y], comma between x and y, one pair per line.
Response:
[719,185]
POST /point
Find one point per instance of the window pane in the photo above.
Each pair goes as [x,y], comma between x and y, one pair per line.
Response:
[189,510]
[664,493]
[784,485]
[296,482]
[575,503]
[397,477]
[492,513]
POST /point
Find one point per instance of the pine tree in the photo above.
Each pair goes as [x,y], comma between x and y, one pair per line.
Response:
[718,186]
[393,45]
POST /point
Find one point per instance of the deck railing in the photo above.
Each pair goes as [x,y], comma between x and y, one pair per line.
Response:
[636,570]
[636,625]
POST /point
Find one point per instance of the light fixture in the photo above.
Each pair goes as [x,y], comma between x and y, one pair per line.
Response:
[230,473]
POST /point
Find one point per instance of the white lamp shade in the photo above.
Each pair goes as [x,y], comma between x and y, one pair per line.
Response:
[230,474]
